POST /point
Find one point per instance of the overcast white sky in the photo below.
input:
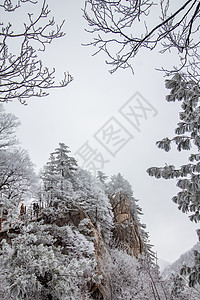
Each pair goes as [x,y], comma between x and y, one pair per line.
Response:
[76,115]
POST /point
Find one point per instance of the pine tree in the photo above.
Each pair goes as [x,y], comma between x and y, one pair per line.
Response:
[66,165]
[58,177]
[49,180]
[117,183]
[101,176]
[186,138]
[58,173]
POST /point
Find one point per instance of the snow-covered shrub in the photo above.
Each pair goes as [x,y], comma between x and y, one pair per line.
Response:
[132,278]
[93,200]
[37,267]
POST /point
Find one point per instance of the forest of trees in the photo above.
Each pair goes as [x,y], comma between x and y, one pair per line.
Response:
[81,236]
[74,246]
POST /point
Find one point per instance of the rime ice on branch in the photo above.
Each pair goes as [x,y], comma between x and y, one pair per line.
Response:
[22,73]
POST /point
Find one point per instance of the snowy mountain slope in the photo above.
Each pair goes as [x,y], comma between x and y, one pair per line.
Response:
[186,258]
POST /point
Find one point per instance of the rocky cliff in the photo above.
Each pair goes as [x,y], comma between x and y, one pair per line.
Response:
[125,232]
[125,235]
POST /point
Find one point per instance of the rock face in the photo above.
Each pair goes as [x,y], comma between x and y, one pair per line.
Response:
[126,231]
[99,289]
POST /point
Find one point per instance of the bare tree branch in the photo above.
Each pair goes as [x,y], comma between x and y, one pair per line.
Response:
[22,74]
[120,29]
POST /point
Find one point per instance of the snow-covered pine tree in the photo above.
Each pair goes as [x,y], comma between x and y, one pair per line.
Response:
[60,168]
[117,183]
[186,138]
[66,165]
[186,89]
[58,176]
[49,180]
[101,176]
[179,289]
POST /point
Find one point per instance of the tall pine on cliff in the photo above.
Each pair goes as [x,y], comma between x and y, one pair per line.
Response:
[119,184]
[58,175]
[67,185]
